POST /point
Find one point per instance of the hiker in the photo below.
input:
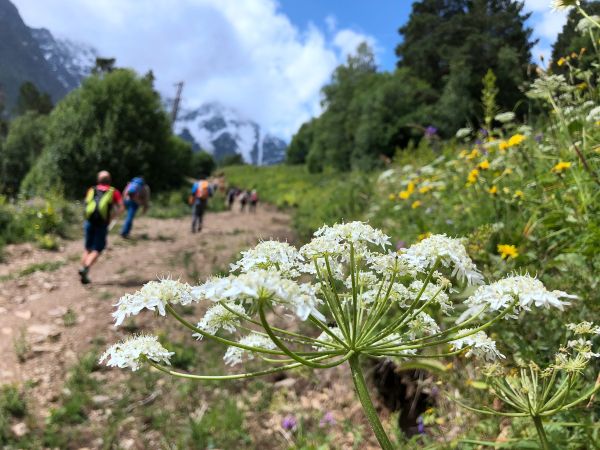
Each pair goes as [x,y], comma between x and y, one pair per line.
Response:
[201,192]
[136,193]
[253,200]
[102,203]
[243,200]
[231,193]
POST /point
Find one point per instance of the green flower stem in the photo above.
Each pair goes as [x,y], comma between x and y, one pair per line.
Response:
[539,426]
[390,328]
[340,317]
[383,307]
[354,312]
[367,404]
[299,337]
[296,356]
[231,343]
[238,376]
[575,402]
[327,330]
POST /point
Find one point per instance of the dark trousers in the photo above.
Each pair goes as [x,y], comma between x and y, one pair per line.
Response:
[198,213]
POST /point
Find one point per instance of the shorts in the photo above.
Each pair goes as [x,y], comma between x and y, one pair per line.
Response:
[95,236]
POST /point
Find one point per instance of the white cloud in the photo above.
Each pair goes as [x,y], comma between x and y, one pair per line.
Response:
[244,53]
[546,24]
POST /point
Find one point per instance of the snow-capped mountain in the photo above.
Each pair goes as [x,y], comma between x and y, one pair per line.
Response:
[55,66]
[70,61]
[221,131]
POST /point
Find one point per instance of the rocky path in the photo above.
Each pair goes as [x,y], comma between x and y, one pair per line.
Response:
[48,319]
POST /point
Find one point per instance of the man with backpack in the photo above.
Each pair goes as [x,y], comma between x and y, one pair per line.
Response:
[102,202]
[136,193]
[201,192]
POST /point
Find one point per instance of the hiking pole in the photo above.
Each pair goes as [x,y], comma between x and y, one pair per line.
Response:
[112,224]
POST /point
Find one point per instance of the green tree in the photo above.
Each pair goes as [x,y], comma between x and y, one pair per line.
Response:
[452,42]
[115,122]
[202,165]
[232,159]
[31,99]
[571,41]
[299,147]
[22,147]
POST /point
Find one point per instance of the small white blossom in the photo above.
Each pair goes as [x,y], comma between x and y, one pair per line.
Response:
[234,355]
[585,25]
[217,317]
[421,325]
[129,352]
[388,263]
[528,290]
[431,291]
[154,296]
[463,132]
[450,252]
[271,255]
[481,346]
[505,117]
[355,233]
[266,285]
[594,115]
[584,328]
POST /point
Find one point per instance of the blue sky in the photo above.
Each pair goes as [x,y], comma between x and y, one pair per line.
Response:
[379,19]
[267,59]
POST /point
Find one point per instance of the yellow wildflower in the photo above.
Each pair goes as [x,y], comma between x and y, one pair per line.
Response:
[422,236]
[506,190]
[582,86]
[519,194]
[503,145]
[403,195]
[507,171]
[416,204]
[574,55]
[484,165]
[493,190]
[561,62]
[561,166]
[392,197]
[411,187]
[474,154]
[463,153]
[425,189]
[472,177]
[507,251]
[515,140]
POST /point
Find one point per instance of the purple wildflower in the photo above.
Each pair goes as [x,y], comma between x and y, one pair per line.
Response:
[483,132]
[327,419]
[289,423]
[420,425]
[538,137]
[430,131]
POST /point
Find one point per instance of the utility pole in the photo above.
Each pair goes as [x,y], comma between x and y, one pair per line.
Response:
[176,102]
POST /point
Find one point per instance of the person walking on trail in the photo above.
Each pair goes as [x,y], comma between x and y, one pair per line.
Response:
[231,197]
[253,201]
[102,203]
[136,193]
[244,200]
[201,192]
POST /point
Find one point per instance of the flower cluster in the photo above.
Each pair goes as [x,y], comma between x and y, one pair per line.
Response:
[154,296]
[131,351]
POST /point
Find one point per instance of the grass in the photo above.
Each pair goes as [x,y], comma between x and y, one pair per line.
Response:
[21,345]
[314,199]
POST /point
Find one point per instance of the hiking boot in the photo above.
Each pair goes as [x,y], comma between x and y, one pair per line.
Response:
[83,275]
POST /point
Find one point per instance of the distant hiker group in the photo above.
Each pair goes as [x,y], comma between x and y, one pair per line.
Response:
[104,204]
[245,197]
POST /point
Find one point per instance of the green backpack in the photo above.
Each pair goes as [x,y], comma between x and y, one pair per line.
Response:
[97,205]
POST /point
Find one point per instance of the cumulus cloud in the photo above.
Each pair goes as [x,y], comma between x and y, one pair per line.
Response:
[244,53]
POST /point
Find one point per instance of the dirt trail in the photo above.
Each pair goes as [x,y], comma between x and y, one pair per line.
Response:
[37,310]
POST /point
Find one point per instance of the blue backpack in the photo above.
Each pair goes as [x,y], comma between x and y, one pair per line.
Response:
[135,186]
